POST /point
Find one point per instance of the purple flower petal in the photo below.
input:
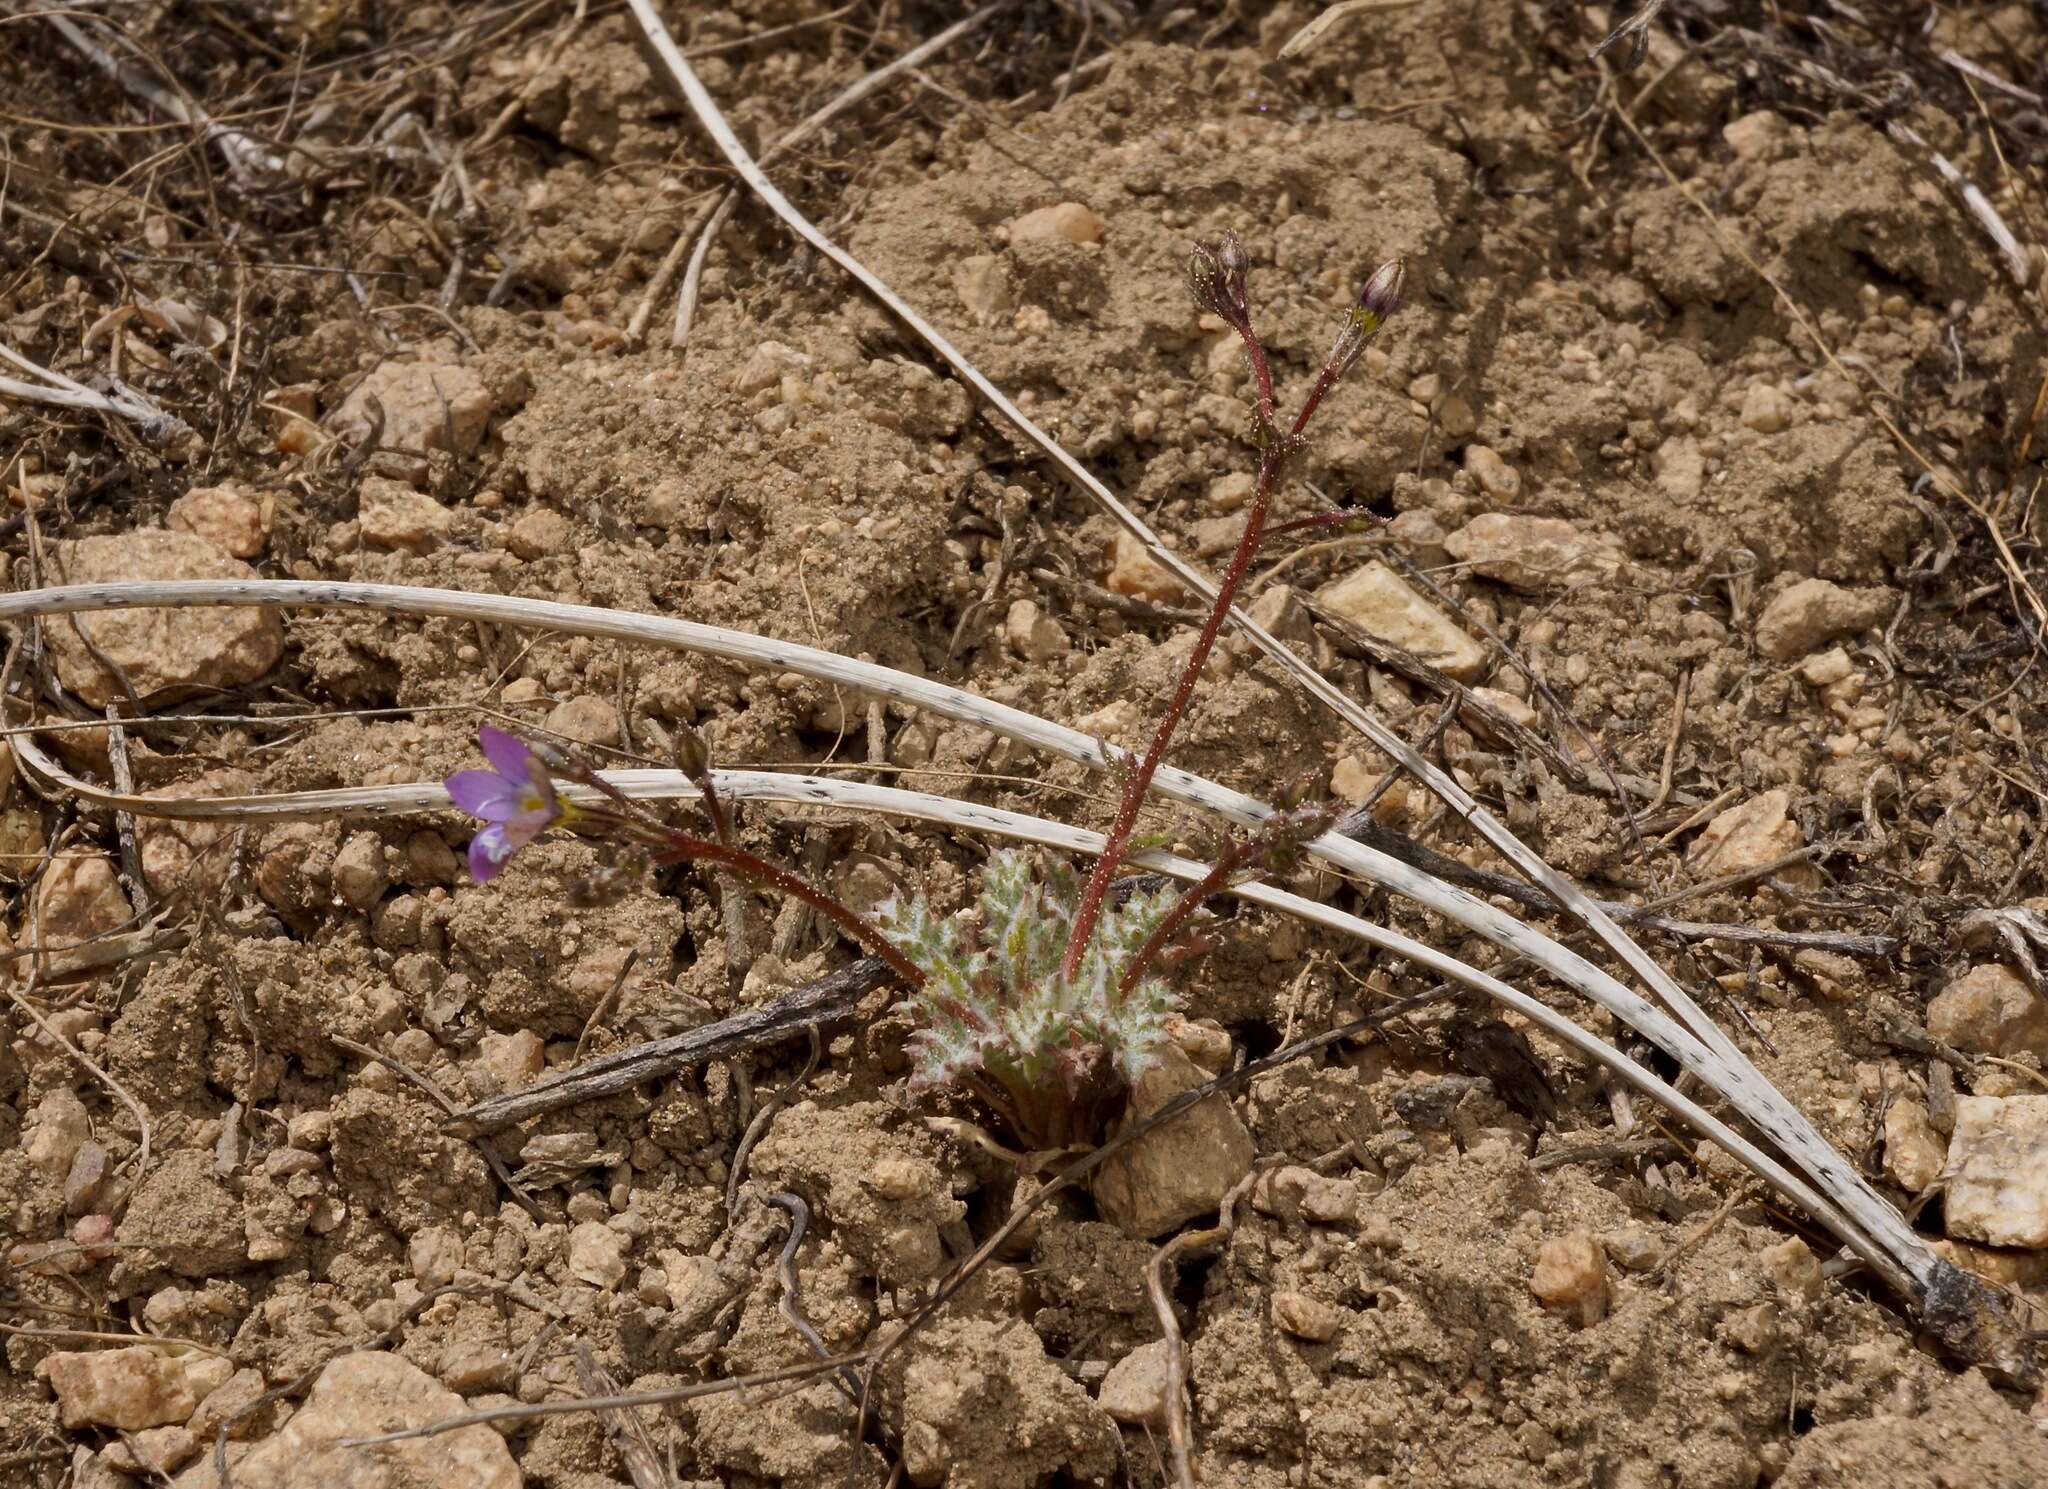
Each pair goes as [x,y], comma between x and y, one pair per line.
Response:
[508,753]
[488,851]
[485,794]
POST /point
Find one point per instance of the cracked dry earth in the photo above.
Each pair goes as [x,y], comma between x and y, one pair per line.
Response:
[1595,431]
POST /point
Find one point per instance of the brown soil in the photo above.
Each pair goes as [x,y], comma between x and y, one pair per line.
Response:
[805,472]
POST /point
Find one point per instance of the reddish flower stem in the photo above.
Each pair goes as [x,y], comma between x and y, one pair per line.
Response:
[1233,858]
[1141,779]
[672,846]
[683,847]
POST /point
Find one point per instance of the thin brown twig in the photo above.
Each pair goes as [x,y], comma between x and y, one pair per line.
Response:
[1678,705]
[705,229]
[1179,1435]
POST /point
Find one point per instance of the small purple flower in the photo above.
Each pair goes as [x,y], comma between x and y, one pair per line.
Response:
[515,798]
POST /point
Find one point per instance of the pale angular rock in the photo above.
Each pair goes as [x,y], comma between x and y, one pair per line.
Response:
[1570,1277]
[1514,710]
[392,514]
[983,284]
[165,653]
[540,533]
[358,874]
[1914,1152]
[1680,469]
[78,898]
[1793,1269]
[1069,220]
[1747,835]
[158,1450]
[587,719]
[1206,1043]
[1138,1387]
[1455,417]
[1306,1318]
[1495,476]
[129,1389]
[1032,634]
[1814,612]
[1998,1171]
[1766,409]
[364,1394]
[1132,571]
[1352,780]
[226,1404]
[597,1254]
[1756,136]
[1633,1248]
[1990,1010]
[57,1129]
[1826,668]
[227,516]
[1280,612]
[512,1060]
[434,1255]
[1383,605]
[427,406]
[1231,491]
[474,1366]
[1533,554]
[1179,1170]
[766,366]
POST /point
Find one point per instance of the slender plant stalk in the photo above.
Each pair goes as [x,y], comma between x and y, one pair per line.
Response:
[1217,276]
[1140,780]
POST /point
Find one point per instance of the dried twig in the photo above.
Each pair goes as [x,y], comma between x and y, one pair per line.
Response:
[151,422]
[704,228]
[251,163]
[1187,1243]
[1331,19]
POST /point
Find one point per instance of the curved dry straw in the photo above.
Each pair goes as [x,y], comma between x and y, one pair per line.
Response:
[1825,1184]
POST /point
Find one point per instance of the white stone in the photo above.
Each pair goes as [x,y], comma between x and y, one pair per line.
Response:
[1069,220]
[1138,1387]
[597,1254]
[1533,554]
[1495,476]
[362,1395]
[1385,606]
[1570,1277]
[1998,1171]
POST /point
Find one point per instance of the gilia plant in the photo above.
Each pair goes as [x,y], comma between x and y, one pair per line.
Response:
[1043,999]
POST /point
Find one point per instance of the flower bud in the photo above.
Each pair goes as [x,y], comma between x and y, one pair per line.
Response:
[1380,298]
[692,754]
[1205,277]
[1216,275]
[1234,261]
